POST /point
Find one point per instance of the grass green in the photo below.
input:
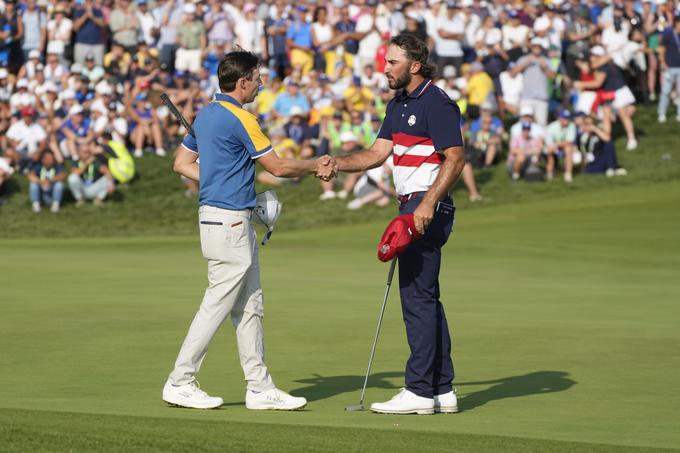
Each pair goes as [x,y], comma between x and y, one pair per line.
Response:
[563,313]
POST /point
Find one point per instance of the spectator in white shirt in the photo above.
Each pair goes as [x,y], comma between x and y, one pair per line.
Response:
[450,32]
[22,97]
[511,88]
[59,30]
[515,36]
[26,138]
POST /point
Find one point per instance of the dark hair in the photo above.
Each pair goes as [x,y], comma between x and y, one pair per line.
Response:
[318,9]
[416,50]
[234,66]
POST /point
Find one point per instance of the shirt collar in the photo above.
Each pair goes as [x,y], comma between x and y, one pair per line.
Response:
[227,98]
[424,85]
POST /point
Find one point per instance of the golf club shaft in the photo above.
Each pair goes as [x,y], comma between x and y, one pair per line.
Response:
[377,332]
[177,114]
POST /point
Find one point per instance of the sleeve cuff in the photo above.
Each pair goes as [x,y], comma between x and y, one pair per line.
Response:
[267,150]
[189,149]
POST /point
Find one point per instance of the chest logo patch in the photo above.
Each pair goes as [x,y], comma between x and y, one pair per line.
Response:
[411,120]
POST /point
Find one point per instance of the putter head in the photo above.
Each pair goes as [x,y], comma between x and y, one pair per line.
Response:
[358,407]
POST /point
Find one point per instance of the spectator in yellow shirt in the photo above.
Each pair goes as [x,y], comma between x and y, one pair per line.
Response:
[358,98]
[479,87]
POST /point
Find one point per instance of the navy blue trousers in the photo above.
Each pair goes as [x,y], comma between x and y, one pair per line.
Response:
[429,370]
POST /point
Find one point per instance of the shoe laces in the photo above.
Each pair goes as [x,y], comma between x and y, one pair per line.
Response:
[196,387]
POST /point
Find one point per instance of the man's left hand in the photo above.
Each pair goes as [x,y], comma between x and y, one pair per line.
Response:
[422,216]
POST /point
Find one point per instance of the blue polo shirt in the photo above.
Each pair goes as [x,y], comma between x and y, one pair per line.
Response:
[228,140]
[671,41]
[300,33]
[420,125]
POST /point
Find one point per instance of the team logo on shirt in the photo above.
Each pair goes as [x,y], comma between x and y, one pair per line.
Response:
[411,120]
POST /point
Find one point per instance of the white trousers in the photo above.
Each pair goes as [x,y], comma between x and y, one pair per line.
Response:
[229,244]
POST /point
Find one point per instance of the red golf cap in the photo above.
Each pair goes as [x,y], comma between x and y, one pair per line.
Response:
[27,111]
[397,236]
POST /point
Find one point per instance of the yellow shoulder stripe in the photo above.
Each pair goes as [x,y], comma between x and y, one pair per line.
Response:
[249,121]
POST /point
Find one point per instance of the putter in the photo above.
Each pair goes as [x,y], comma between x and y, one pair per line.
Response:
[176,113]
[360,406]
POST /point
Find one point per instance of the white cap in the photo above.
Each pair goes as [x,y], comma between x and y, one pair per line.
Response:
[22,83]
[3,73]
[189,8]
[492,39]
[50,87]
[68,94]
[466,3]
[98,106]
[75,109]
[542,24]
[76,68]
[35,53]
[103,89]
[536,42]
[526,110]
[295,110]
[348,136]
[449,71]
[598,51]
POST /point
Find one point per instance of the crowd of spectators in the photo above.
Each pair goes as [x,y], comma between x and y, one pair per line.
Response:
[540,84]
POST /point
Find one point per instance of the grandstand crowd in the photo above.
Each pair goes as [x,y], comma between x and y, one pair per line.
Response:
[541,84]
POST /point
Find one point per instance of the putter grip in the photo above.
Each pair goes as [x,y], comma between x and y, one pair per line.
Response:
[176,113]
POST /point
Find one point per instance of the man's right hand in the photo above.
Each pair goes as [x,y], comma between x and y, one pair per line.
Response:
[325,168]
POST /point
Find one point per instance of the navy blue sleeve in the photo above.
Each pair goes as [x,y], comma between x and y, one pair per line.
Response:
[444,122]
[385,131]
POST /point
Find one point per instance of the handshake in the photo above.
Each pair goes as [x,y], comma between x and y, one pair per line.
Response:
[325,168]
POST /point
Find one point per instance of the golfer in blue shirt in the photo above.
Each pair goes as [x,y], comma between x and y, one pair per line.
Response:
[229,141]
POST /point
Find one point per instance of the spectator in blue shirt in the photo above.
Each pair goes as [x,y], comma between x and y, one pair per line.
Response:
[89,26]
[291,98]
[299,39]
[46,180]
[669,56]
[277,33]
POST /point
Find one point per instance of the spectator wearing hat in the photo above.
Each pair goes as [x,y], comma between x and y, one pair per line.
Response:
[124,24]
[250,32]
[46,183]
[26,139]
[524,150]
[290,98]
[191,41]
[299,39]
[536,75]
[669,56]
[297,128]
[35,28]
[59,29]
[93,72]
[22,97]
[89,26]
[526,116]
[28,69]
[485,136]
[515,36]
[74,134]
[91,178]
[560,143]
[54,70]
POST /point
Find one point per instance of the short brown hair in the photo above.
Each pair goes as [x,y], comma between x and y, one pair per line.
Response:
[416,50]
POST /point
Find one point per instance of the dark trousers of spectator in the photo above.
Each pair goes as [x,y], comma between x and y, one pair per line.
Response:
[167,56]
[456,62]
[604,159]
[429,370]
[279,62]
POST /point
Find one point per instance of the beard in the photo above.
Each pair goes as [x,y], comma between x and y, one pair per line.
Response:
[400,82]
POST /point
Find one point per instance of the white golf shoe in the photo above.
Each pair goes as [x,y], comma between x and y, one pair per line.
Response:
[190,395]
[405,402]
[273,399]
[446,403]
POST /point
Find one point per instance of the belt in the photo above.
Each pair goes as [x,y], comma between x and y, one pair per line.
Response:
[442,207]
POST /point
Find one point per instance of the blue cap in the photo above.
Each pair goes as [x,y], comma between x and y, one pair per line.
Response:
[302,8]
[526,126]
[512,14]
[451,4]
[323,78]
[356,80]
[141,97]
[180,74]
[565,114]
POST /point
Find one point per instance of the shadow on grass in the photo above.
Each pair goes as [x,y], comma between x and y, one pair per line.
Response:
[534,383]
[322,387]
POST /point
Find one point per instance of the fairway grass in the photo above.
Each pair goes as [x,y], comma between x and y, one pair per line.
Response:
[563,313]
